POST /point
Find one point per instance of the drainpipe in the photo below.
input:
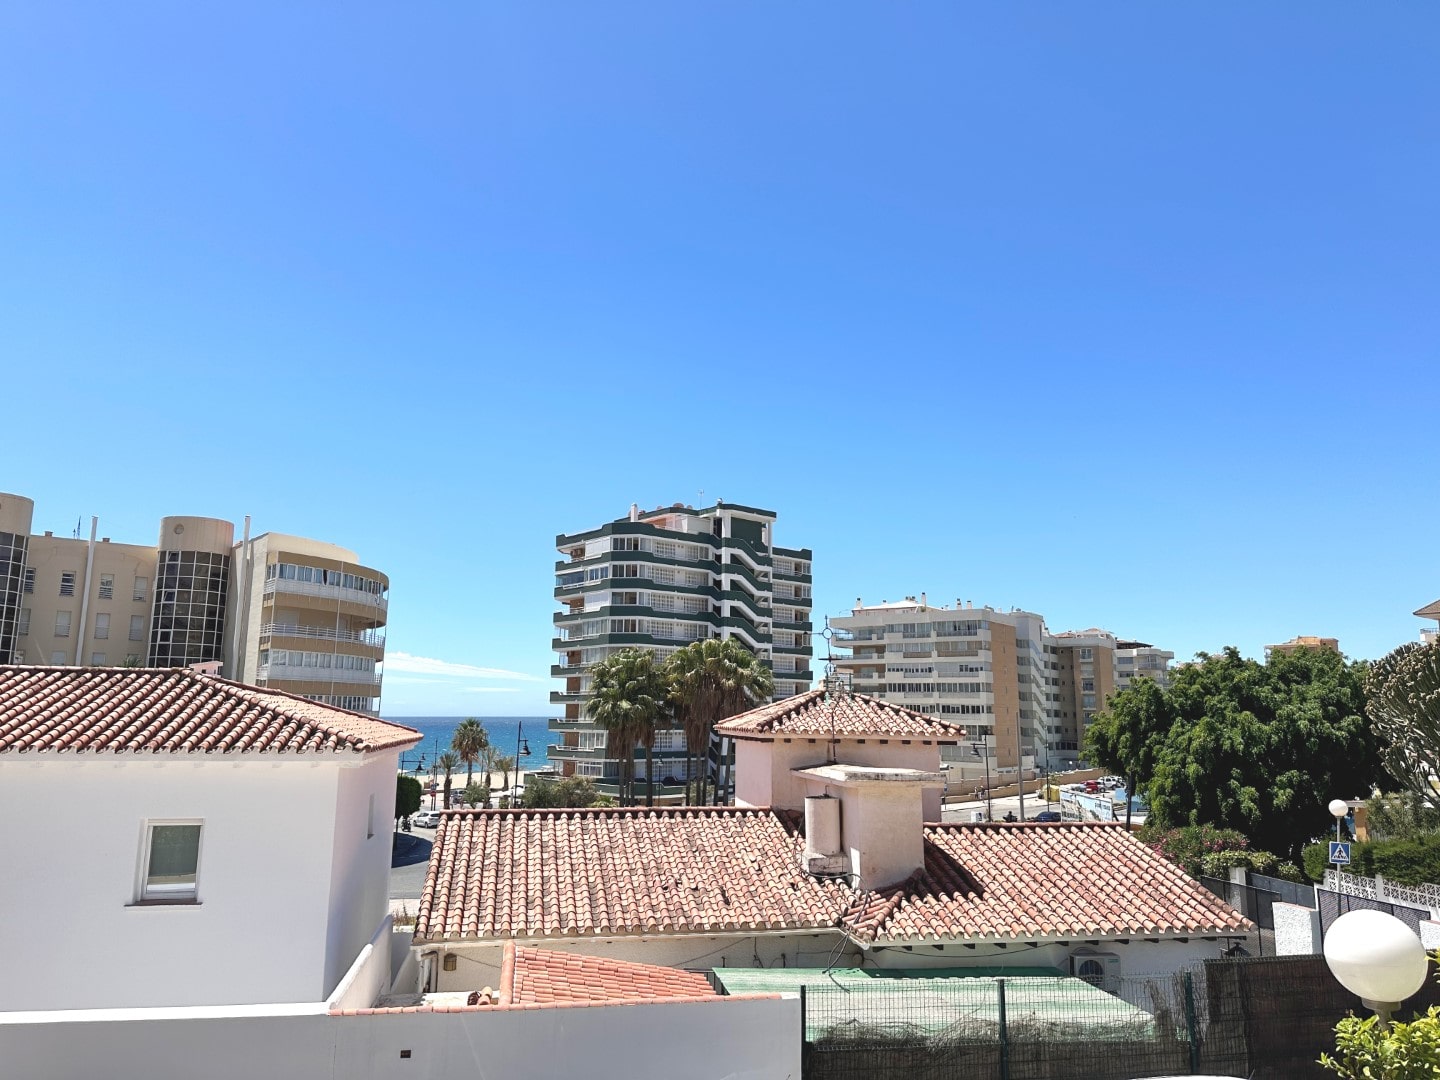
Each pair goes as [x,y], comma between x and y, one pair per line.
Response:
[242,609]
[85,592]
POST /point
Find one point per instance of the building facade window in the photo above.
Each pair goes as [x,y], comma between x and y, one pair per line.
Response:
[137,627]
[171,862]
[67,583]
[24,627]
[57,658]
[97,659]
[29,585]
[141,590]
[107,586]
[102,625]
[62,624]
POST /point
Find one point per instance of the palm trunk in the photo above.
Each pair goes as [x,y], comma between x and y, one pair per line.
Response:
[650,774]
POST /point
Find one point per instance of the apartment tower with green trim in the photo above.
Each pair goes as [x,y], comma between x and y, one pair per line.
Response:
[660,579]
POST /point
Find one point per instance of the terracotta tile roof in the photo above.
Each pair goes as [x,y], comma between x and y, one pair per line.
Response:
[500,874]
[1026,881]
[568,873]
[173,711]
[544,976]
[811,713]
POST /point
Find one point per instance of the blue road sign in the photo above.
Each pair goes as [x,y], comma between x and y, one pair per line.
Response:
[1340,852]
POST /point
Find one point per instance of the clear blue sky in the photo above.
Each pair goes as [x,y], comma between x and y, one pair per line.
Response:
[1122,313]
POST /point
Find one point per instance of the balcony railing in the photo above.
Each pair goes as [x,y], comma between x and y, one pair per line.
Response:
[289,673]
[325,633]
[329,592]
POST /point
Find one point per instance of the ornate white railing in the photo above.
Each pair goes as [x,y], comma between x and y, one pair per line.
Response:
[1425,897]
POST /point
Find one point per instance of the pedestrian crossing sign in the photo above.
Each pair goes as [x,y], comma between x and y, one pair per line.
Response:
[1340,852]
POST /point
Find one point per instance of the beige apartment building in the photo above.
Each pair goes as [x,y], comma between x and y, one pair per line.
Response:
[1430,635]
[1304,641]
[279,611]
[1023,693]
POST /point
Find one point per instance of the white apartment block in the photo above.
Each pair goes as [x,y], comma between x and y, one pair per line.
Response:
[661,579]
[1023,693]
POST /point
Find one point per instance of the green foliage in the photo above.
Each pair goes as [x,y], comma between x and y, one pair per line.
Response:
[1407,862]
[1406,816]
[1261,748]
[1188,845]
[477,795]
[447,763]
[1400,1051]
[470,743]
[1220,863]
[407,796]
[629,697]
[711,681]
[1403,691]
[576,791]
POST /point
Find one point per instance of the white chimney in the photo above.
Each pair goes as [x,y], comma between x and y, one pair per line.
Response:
[881,817]
[634,511]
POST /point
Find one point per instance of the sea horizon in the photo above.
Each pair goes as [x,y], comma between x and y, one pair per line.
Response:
[504,732]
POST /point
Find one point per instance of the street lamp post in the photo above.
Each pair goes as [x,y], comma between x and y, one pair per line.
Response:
[1338,809]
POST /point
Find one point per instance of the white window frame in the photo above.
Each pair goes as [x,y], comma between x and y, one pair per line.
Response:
[145,893]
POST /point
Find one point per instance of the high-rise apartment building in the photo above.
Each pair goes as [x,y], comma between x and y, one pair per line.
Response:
[1430,635]
[661,579]
[1023,693]
[1136,658]
[273,610]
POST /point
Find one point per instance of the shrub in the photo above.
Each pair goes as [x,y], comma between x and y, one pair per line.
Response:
[1407,862]
[1220,863]
[1187,846]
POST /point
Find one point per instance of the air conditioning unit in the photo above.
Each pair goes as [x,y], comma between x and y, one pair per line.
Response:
[1100,969]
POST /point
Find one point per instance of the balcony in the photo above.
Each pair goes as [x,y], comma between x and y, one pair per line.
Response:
[286,673]
[327,592]
[373,638]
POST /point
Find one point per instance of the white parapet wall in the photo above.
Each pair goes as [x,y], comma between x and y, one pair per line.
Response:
[756,1038]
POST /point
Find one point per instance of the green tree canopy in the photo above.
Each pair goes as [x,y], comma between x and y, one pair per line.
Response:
[1403,692]
[470,742]
[1233,743]
[710,681]
[576,791]
[407,796]
[629,696]
[448,763]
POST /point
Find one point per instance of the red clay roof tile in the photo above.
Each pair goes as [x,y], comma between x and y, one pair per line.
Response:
[545,975]
[841,715]
[173,711]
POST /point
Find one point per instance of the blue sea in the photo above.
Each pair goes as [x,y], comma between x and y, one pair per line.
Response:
[504,732]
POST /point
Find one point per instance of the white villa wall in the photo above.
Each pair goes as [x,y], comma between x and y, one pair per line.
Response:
[360,864]
[764,776]
[754,1039]
[73,937]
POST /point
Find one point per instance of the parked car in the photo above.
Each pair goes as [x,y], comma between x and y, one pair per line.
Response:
[1048,815]
[426,819]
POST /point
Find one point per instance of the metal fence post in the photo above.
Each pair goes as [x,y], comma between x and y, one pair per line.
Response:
[1192,1025]
[1004,1034]
[802,1015]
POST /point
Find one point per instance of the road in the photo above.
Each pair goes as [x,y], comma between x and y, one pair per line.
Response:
[408,861]
[1034,804]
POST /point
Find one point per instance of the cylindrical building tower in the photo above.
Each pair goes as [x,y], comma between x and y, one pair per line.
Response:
[16,513]
[192,578]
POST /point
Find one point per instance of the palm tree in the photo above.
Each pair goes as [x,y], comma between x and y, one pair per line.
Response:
[469,741]
[711,681]
[629,695]
[449,763]
[504,764]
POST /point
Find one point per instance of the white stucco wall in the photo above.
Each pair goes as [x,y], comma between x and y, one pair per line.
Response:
[764,769]
[754,1039]
[360,864]
[272,864]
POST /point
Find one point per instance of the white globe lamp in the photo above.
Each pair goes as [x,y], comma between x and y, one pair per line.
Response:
[1339,808]
[1377,958]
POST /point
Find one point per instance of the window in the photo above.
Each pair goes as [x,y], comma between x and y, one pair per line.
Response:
[102,625]
[625,543]
[171,861]
[137,627]
[24,628]
[57,659]
[29,585]
[370,818]
[67,583]
[62,624]
[1087,654]
[107,586]
[97,659]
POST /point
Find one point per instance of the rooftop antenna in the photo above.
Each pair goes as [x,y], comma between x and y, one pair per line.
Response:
[836,686]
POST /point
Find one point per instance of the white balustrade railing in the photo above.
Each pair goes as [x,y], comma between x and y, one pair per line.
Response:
[294,673]
[1425,897]
[331,592]
[324,633]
